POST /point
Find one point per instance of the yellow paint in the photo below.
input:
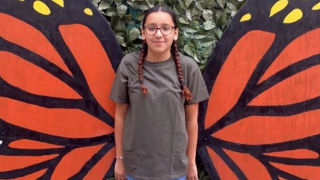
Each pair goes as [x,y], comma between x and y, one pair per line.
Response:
[278,6]
[245,17]
[316,7]
[41,7]
[21,0]
[59,2]
[293,16]
[88,11]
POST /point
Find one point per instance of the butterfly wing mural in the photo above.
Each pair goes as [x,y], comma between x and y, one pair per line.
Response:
[262,118]
[57,64]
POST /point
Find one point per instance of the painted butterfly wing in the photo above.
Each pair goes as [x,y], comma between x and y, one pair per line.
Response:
[261,120]
[57,65]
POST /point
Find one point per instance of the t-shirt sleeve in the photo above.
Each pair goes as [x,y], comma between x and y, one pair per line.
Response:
[196,85]
[119,91]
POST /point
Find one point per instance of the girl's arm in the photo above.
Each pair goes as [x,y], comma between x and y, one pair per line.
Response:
[192,130]
[120,115]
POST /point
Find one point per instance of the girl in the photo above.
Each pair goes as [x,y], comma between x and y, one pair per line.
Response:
[157,92]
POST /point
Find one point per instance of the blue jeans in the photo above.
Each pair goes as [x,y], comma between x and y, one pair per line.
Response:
[181,178]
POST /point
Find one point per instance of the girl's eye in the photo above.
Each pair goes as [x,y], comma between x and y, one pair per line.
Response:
[166,28]
[152,28]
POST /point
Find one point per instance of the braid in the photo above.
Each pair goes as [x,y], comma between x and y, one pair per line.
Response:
[175,53]
[140,67]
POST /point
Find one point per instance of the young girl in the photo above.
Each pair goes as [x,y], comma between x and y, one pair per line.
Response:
[157,92]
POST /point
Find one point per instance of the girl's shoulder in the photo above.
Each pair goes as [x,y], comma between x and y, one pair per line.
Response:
[187,62]
[131,58]
[129,63]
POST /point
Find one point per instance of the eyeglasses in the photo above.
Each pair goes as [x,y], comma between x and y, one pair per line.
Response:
[165,30]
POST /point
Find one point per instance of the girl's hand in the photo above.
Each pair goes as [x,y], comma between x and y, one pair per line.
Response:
[192,173]
[119,171]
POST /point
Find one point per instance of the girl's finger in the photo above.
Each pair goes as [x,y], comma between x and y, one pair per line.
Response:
[118,177]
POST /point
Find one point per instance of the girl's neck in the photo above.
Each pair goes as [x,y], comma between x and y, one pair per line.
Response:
[155,57]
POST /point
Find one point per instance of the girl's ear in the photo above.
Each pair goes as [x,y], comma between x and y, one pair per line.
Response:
[142,34]
[176,33]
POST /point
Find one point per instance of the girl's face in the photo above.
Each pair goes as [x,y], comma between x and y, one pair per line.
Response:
[159,33]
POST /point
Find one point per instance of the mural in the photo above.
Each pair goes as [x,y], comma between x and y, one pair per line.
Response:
[58,60]
[262,118]
[57,64]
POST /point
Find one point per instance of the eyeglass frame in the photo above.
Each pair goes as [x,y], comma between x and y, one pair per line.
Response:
[159,28]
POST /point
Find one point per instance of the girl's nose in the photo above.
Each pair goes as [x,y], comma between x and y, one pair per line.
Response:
[158,33]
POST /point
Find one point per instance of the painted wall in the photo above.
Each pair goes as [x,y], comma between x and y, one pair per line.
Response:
[262,118]
[57,61]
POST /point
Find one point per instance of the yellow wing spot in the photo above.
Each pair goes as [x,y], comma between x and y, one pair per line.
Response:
[245,17]
[278,6]
[59,2]
[316,7]
[293,16]
[88,11]
[41,7]
[21,0]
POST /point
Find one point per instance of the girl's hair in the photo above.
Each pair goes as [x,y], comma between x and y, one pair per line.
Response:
[174,51]
[162,9]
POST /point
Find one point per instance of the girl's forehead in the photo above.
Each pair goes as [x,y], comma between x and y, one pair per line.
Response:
[159,18]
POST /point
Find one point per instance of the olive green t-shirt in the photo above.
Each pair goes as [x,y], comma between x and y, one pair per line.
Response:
[155,137]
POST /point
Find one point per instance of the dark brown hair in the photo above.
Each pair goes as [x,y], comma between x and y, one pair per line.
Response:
[174,51]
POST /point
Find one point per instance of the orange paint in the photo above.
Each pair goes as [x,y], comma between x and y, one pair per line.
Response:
[31,78]
[31,144]
[93,60]
[300,48]
[256,130]
[72,123]
[100,169]
[72,163]
[25,35]
[250,166]
[236,72]
[304,172]
[9,163]
[296,154]
[297,88]
[222,168]
[34,175]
